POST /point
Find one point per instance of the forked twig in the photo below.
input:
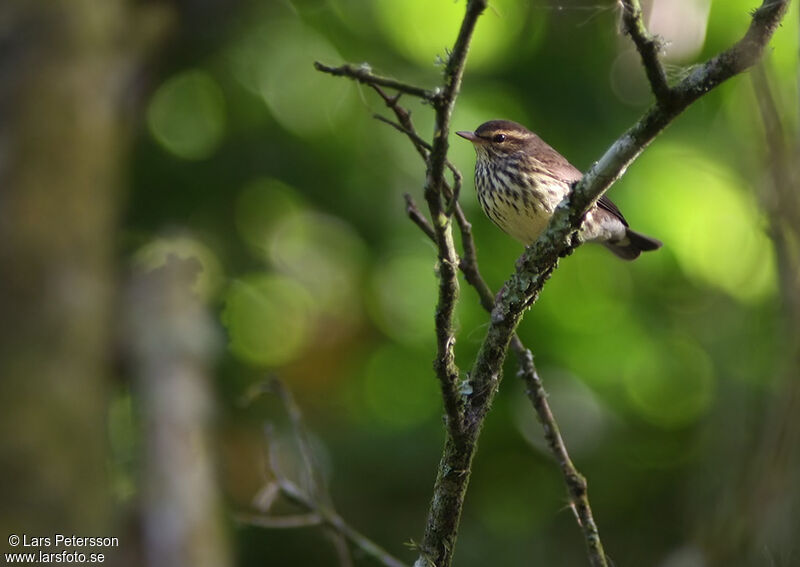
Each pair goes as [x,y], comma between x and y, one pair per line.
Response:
[315,500]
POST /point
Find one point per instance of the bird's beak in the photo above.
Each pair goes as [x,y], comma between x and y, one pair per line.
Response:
[469,136]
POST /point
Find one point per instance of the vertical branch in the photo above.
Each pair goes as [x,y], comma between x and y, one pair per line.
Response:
[448,258]
[649,47]
[438,542]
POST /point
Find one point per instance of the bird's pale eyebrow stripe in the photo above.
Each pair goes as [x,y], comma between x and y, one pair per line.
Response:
[508,135]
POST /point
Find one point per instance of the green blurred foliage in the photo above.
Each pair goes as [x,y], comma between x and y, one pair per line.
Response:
[292,195]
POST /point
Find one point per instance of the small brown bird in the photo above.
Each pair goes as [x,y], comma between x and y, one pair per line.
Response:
[520,180]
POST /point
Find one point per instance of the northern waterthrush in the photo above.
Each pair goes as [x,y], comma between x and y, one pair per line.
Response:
[520,180]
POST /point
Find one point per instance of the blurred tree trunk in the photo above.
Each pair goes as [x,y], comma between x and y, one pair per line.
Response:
[172,341]
[62,135]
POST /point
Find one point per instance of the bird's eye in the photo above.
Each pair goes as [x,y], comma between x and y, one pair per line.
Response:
[499,138]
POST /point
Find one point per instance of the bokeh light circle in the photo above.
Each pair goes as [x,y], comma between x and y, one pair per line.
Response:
[403,297]
[275,60]
[186,115]
[399,387]
[261,205]
[705,217]
[268,318]
[325,255]
[670,383]
[422,29]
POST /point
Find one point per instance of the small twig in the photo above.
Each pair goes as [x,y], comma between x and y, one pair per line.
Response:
[324,516]
[424,148]
[316,501]
[363,74]
[456,191]
[780,198]
[317,486]
[329,517]
[435,185]
[418,218]
[279,522]
[649,48]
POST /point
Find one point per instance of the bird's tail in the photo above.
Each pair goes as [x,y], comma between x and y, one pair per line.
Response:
[632,245]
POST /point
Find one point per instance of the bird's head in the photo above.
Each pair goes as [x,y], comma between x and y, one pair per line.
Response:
[499,138]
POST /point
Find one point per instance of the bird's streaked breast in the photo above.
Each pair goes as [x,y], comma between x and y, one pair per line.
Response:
[519,201]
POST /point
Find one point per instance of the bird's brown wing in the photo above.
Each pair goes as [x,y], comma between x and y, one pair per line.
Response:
[606,204]
[554,163]
[562,169]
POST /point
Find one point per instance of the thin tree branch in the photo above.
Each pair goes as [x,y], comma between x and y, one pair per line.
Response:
[444,364]
[649,48]
[441,530]
[418,218]
[575,481]
[764,494]
[316,484]
[779,198]
[326,517]
[279,522]
[335,521]
[424,148]
[363,74]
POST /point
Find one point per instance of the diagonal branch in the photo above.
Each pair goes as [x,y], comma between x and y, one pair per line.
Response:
[318,515]
[363,74]
[649,48]
[575,481]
